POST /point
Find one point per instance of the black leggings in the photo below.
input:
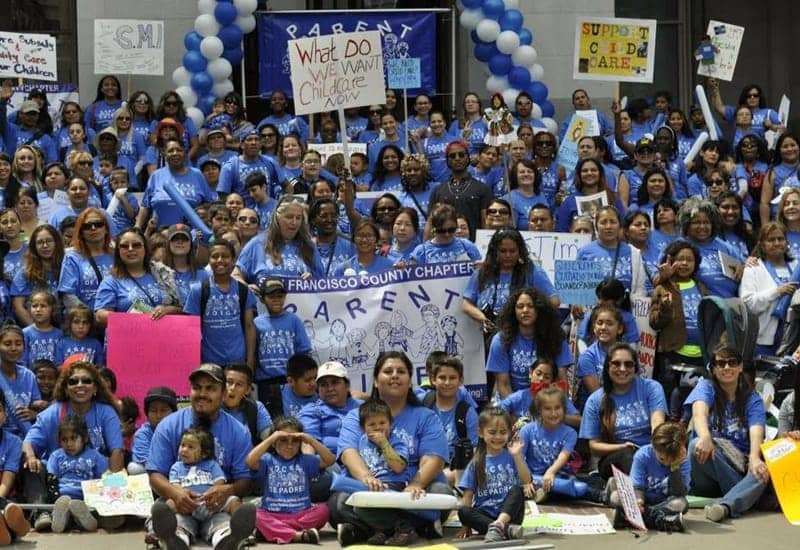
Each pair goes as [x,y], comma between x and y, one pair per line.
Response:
[622,459]
[513,505]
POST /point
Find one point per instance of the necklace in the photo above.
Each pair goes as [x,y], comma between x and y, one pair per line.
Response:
[455,187]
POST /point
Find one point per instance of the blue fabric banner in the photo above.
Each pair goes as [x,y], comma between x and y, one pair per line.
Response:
[405,34]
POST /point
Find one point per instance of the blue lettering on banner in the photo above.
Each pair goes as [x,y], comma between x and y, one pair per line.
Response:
[405,35]
[575,281]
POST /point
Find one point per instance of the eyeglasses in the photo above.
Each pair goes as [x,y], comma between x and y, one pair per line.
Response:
[123,118]
[247,219]
[45,242]
[716,181]
[131,246]
[628,365]
[84,163]
[457,155]
[729,363]
[447,230]
[171,104]
[497,211]
[311,162]
[75,380]
[89,226]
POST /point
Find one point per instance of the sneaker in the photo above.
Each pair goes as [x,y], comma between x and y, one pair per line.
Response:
[82,516]
[242,524]
[15,519]
[496,533]
[539,495]
[438,529]
[165,526]
[611,486]
[515,531]
[348,534]
[671,523]
[403,536]
[43,522]
[593,494]
[716,512]
[61,514]
[111,523]
[310,536]
[378,539]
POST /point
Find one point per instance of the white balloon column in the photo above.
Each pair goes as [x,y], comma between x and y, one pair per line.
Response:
[213,49]
[505,45]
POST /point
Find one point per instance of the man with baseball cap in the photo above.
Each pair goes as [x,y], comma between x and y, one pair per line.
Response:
[232,444]
[215,144]
[235,171]
[27,131]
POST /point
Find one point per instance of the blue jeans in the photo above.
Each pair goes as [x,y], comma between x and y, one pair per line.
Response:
[716,476]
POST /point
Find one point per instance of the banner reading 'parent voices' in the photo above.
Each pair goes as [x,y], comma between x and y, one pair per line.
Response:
[415,310]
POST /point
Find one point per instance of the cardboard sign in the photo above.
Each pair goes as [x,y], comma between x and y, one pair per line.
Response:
[640,307]
[582,123]
[119,494]
[404,73]
[727,39]
[575,281]
[621,50]
[30,56]
[144,353]
[337,71]
[128,46]
[783,462]
[627,495]
[327,149]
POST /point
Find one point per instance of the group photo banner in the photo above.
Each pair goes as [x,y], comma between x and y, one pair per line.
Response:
[403,35]
[415,310]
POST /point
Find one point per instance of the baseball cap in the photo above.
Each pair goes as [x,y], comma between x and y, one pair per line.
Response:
[272,285]
[163,394]
[29,106]
[206,162]
[331,368]
[209,369]
[178,229]
[645,143]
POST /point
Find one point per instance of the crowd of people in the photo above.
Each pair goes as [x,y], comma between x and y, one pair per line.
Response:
[274,443]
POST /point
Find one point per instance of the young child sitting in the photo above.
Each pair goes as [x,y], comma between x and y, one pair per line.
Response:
[46,374]
[74,462]
[384,454]
[159,403]
[78,328]
[301,384]
[236,401]
[543,374]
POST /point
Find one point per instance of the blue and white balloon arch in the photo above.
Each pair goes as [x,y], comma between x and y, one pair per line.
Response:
[213,49]
[501,41]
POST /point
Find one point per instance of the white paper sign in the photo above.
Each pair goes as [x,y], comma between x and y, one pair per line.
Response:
[640,307]
[128,46]
[783,114]
[588,205]
[582,124]
[727,39]
[627,495]
[31,56]
[327,149]
[337,71]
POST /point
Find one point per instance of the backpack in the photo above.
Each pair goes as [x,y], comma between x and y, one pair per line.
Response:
[463,451]
[205,293]
[250,410]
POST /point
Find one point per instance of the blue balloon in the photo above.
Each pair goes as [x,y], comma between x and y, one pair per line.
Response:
[525,37]
[519,78]
[206,103]
[234,55]
[202,83]
[472,4]
[493,9]
[511,21]
[548,109]
[485,51]
[231,36]
[500,64]
[538,92]
[192,41]
[194,61]
[475,38]
[225,13]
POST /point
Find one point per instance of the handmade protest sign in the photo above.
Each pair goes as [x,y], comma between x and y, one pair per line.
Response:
[621,50]
[144,353]
[627,495]
[404,72]
[782,457]
[325,150]
[128,46]
[726,39]
[544,248]
[590,204]
[30,56]
[337,71]
[119,494]
[415,310]
[582,123]
[640,307]
[569,524]
[575,281]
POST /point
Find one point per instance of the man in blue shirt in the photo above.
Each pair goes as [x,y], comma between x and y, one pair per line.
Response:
[232,444]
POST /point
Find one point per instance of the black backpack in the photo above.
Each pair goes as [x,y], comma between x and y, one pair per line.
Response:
[463,451]
[205,293]
[250,410]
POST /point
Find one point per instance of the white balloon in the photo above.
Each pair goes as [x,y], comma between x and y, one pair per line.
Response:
[246,22]
[552,125]
[187,95]
[488,30]
[508,42]
[536,71]
[206,6]
[181,76]
[470,18]
[524,56]
[511,4]
[245,7]
[196,115]
[536,111]
[220,69]
[496,84]
[510,95]
[222,88]
[211,47]
[206,25]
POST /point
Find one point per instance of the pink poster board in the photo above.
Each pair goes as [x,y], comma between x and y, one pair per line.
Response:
[144,353]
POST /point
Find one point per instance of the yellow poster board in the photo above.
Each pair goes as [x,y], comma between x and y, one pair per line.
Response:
[783,461]
[614,49]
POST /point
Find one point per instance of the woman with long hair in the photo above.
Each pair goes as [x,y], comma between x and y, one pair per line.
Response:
[784,167]
[752,97]
[590,178]
[141,105]
[40,270]
[27,166]
[545,149]
[525,183]
[171,107]
[240,125]
[736,230]
[98,115]
[433,146]
[10,231]
[88,261]
[181,256]
[405,234]
[71,113]
[637,226]
[789,217]
[387,170]
[8,182]
[290,156]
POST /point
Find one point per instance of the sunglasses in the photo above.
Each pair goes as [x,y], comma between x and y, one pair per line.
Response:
[131,246]
[375,112]
[457,155]
[497,211]
[622,364]
[447,230]
[144,101]
[84,163]
[247,219]
[171,104]
[729,363]
[75,380]
[89,226]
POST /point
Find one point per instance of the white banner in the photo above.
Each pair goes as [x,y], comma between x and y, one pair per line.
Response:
[57,94]
[327,149]
[128,46]
[544,248]
[337,71]
[31,56]
[640,306]
[416,310]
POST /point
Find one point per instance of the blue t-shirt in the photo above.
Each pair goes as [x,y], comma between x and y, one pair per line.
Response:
[710,272]
[287,124]
[120,219]
[90,347]
[120,294]
[12,262]
[324,422]
[501,476]
[522,205]
[189,129]
[495,293]
[478,129]
[335,253]
[196,477]
[185,279]
[255,265]
[518,404]
[458,250]
[21,286]
[433,148]
[234,174]
[376,462]
[221,327]
[387,184]
[192,186]
[293,403]
[78,276]
[286,483]
[278,338]
[19,392]
[10,452]
[728,427]
[494,179]
[263,419]
[99,114]
[378,264]
[630,333]
[231,443]
[690,300]
[40,344]
[71,470]
[221,158]
[418,200]
[652,477]
[448,420]
[141,443]
[632,412]
[541,446]
[596,252]
[516,359]
[102,420]
[760,115]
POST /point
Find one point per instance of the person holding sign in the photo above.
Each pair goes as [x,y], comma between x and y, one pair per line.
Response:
[729,419]
[752,97]
[590,179]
